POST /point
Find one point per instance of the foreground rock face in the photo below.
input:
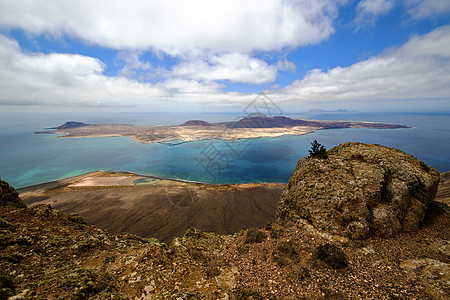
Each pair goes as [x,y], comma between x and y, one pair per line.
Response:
[45,254]
[360,189]
[9,196]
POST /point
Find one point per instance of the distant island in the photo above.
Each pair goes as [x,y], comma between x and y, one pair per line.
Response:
[253,126]
[318,110]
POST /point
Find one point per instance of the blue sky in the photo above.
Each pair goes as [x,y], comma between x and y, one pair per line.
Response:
[199,55]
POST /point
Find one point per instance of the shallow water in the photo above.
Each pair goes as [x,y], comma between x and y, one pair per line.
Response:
[28,158]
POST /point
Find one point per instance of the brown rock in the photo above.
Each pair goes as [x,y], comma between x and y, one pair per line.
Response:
[9,196]
[360,189]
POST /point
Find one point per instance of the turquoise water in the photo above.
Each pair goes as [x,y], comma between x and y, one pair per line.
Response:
[27,158]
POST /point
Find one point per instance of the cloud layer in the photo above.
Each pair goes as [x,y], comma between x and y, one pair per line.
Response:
[177,27]
[418,69]
[213,43]
[214,40]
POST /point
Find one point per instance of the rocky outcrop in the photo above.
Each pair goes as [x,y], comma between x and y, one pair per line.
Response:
[9,196]
[360,190]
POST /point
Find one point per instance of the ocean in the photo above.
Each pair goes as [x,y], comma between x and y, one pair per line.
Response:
[28,158]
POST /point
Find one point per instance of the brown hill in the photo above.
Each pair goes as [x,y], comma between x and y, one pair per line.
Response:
[282,121]
[164,209]
[70,124]
[196,123]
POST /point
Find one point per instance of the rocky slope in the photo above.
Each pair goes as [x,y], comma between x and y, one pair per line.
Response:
[45,254]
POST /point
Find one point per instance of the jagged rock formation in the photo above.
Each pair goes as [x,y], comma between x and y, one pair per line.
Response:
[9,196]
[360,189]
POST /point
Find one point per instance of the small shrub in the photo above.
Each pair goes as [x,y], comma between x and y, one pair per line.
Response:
[254,236]
[318,150]
[332,256]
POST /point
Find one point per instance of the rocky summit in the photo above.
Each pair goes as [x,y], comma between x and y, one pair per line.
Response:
[360,190]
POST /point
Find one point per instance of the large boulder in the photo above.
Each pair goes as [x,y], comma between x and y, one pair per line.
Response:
[9,196]
[359,190]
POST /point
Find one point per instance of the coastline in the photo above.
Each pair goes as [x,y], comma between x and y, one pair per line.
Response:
[160,208]
[191,134]
[196,130]
[70,181]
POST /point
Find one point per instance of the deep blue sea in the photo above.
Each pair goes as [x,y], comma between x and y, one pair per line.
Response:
[27,158]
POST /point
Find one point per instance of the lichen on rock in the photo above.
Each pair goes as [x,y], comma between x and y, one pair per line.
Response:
[359,190]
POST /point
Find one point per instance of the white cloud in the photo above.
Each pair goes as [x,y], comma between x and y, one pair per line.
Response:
[420,9]
[368,11]
[235,67]
[71,79]
[375,7]
[63,79]
[214,40]
[132,63]
[418,69]
[177,26]
[285,65]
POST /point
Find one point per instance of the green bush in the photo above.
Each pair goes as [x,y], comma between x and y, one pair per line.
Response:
[318,150]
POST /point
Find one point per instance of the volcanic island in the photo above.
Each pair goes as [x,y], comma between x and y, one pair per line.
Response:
[196,130]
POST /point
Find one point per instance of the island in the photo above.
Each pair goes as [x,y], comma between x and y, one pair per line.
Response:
[252,126]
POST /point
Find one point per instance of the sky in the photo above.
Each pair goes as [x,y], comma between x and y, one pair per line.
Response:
[218,56]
